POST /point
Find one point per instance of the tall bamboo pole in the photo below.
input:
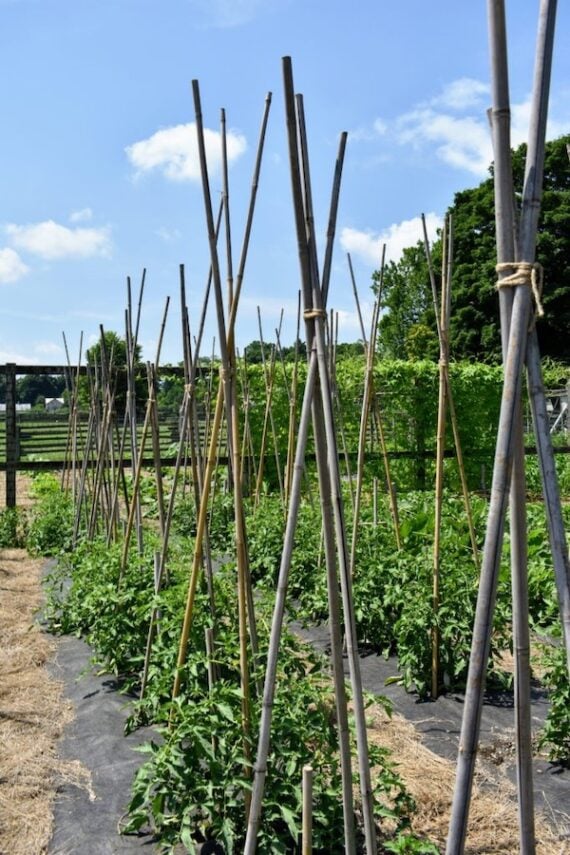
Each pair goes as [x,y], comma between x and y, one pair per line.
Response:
[220,400]
[293,408]
[226,205]
[506,252]
[371,402]
[313,291]
[260,769]
[439,465]
[268,422]
[307,829]
[521,306]
[451,406]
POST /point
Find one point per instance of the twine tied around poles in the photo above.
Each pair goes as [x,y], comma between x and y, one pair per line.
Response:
[312,314]
[524,273]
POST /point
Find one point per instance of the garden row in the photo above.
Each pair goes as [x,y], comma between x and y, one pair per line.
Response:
[193,783]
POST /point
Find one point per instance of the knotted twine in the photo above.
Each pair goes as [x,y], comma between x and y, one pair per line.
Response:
[524,273]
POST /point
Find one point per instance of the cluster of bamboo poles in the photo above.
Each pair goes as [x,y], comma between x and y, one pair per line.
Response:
[94,467]
[516,247]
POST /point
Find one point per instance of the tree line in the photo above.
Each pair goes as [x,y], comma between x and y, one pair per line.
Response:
[407,328]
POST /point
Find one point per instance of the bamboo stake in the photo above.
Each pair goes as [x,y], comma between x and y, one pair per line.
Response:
[439,465]
[294,503]
[340,422]
[69,389]
[269,381]
[190,367]
[506,252]
[243,571]
[131,403]
[269,378]
[198,544]
[517,345]
[226,205]
[307,832]
[293,408]
[311,285]
[370,352]
[451,406]
[148,423]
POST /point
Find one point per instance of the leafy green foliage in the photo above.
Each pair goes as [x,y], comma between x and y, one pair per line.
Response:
[192,785]
[555,736]
[474,328]
[13,527]
[51,520]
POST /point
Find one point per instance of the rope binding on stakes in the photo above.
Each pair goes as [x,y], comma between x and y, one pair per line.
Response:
[524,273]
[311,314]
[226,373]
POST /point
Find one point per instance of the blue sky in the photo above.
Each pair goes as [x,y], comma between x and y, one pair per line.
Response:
[98,169]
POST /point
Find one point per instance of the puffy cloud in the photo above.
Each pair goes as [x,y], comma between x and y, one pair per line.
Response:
[50,240]
[349,323]
[462,142]
[368,133]
[367,245]
[174,151]
[12,267]
[81,216]
[462,94]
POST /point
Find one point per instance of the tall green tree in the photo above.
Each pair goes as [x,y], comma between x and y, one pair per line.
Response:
[116,351]
[474,327]
[32,387]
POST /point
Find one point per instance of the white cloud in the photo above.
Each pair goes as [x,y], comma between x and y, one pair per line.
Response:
[49,348]
[174,151]
[367,245]
[10,354]
[349,324]
[462,94]
[368,133]
[50,240]
[464,143]
[82,216]
[12,267]
[225,13]
[520,117]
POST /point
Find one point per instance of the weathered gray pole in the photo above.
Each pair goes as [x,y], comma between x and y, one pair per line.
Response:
[521,283]
[317,316]
[506,252]
[260,768]
[11,435]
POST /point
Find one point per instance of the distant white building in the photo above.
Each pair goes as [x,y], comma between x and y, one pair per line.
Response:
[54,404]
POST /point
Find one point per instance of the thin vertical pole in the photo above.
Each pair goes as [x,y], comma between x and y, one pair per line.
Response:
[11,435]
[307,831]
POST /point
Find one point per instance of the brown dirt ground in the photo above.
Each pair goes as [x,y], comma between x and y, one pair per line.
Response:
[493,820]
[33,711]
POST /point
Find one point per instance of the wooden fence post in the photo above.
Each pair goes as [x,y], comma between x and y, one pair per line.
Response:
[11,435]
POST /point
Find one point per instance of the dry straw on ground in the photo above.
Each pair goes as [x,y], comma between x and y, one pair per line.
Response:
[493,823]
[33,713]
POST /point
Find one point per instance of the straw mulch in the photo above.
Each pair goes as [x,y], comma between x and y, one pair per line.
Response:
[33,713]
[493,820]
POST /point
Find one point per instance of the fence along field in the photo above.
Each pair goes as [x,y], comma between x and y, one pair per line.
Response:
[259,736]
